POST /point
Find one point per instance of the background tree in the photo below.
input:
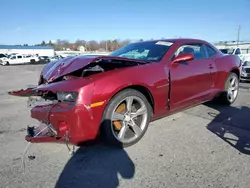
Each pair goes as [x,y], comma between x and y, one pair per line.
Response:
[92,45]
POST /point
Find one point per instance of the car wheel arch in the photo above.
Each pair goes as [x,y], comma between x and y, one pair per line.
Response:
[143,89]
[236,71]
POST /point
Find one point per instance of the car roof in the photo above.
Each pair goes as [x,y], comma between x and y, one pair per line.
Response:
[181,40]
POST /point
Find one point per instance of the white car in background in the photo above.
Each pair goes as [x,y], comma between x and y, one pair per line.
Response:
[244,54]
[18,59]
[3,57]
[245,71]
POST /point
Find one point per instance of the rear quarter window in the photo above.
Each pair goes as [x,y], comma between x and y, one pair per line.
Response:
[210,51]
[237,52]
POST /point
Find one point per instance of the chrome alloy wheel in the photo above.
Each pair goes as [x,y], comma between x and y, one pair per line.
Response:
[129,119]
[233,88]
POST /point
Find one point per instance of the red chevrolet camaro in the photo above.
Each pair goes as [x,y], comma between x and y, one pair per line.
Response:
[115,97]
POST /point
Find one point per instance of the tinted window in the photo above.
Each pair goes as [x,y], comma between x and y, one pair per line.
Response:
[149,51]
[210,51]
[2,55]
[19,57]
[197,50]
[237,51]
[246,63]
[245,51]
[227,51]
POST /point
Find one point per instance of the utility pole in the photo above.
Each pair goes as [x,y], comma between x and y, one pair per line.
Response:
[238,36]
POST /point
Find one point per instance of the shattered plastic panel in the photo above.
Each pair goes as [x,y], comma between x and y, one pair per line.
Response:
[23,92]
[39,101]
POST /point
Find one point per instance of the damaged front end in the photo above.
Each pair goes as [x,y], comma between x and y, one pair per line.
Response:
[43,105]
[62,100]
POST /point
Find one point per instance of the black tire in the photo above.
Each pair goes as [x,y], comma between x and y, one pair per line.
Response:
[32,61]
[7,63]
[107,128]
[223,98]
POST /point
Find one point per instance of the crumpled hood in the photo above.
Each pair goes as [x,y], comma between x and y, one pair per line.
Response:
[62,67]
[65,66]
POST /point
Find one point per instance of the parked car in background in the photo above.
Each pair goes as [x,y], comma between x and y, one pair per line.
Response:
[244,54]
[47,59]
[44,59]
[19,59]
[3,57]
[55,57]
[115,97]
[245,71]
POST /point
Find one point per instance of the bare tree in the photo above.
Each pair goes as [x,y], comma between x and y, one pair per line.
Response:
[92,45]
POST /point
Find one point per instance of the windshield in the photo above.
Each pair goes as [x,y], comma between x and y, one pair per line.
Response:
[247,63]
[2,55]
[148,51]
[227,51]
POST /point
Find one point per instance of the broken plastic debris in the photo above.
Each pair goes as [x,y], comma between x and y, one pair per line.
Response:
[29,145]
[31,157]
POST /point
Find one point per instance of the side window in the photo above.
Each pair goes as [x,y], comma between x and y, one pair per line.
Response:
[244,51]
[211,52]
[19,57]
[197,50]
[2,55]
[237,52]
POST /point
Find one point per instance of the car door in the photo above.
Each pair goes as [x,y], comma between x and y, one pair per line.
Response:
[26,58]
[19,59]
[13,59]
[191,81]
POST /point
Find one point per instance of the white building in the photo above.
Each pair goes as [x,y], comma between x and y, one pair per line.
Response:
[40,50]
[81,49]
[242,45]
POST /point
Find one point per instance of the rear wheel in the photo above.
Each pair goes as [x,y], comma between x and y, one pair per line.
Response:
[126,118]
[231,90]
[32,61]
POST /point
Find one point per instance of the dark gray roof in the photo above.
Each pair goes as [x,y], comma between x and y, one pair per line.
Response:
[24,47]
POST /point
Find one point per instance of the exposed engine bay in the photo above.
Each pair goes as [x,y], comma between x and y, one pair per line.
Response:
[99,66]
[106,65]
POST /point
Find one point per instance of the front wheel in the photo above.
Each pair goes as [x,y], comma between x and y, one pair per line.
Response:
[6,63]
[231,90]
[126,118]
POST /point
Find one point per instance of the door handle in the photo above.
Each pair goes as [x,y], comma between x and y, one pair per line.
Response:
[210,66]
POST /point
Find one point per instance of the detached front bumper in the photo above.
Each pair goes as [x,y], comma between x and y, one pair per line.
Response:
[76,122]
[41,133]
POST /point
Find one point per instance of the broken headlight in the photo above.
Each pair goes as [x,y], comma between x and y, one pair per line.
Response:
[67,96]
